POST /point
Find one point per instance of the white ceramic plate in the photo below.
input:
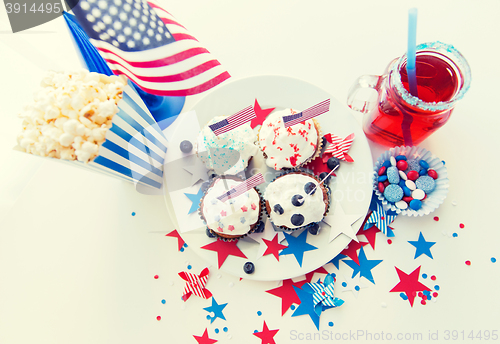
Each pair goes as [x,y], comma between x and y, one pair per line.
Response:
[352,187]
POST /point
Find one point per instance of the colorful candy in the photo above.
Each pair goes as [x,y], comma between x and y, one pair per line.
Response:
[393,193]
[412,175]
[381,170]
[402,165]
[432,173]
[392,175]
[426,183]
[416,204]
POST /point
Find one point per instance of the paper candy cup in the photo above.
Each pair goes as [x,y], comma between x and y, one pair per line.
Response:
[435,198]
[135,147]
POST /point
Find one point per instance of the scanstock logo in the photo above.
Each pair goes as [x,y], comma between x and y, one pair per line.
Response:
[25,14]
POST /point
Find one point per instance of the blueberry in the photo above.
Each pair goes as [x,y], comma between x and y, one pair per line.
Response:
[322,176]
[186,146]
[210,234]
[278,209]
[332,163]
[297,200]
[310,187]
[204,186]
[249,268]
[297,219]
[260,227]
[314,229]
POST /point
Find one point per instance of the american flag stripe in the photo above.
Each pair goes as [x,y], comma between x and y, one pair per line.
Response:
[233,121]
[307,114]
[243,187]
[339,146]
[179,67]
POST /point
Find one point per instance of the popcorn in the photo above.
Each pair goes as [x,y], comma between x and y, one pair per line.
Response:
[70,115]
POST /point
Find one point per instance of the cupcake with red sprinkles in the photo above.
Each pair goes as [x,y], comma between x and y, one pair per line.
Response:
[292,147]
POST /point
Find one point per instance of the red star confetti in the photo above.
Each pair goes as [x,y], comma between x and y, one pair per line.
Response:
[223,213]
[351,250]
[338,147]
[261,114]
[409,284]
[267,336]
[224,249]
[175,234]
[195,284]
[287,294]
[204,338]
[370,235]
[273,247]
[253,206]
[309,275]
[244,209]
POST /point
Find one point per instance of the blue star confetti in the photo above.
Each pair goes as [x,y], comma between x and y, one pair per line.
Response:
[196,199]
[365,266]
[381,219]
[297,246]
[336,261]
[306,306]
[422,246]
[216,309]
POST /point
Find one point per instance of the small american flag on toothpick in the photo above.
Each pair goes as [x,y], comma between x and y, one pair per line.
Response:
[309,113]
[233,121]
[243,187]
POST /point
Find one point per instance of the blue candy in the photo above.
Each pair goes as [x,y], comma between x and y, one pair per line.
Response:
[413,165]
[393,175]
[416,204]
[402,183]
[426,183]
[393,193]
[424,164]
[422,172]
[386,163]
[382,178]
[406,191]
[401,157]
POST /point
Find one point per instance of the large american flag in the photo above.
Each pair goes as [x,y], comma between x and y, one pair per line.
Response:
[243,187]
[233,121]
[309,113]
[144,42]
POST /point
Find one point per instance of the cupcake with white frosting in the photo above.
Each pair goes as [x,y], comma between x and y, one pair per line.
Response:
[228,153]
[235,217]
[296,200]
[292,147]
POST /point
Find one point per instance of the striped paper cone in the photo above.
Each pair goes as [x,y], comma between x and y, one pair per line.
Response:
[134,148]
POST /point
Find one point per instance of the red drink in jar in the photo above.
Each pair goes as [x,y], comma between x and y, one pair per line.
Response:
[398,118]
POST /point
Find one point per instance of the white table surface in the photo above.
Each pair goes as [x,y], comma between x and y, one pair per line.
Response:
[76,267]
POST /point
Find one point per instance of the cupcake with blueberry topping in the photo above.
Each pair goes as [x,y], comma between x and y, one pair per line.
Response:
[296,200]
[292,147]
[235,217]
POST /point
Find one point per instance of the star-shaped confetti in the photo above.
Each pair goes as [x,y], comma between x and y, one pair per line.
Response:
[196,199]
[306,306]
[175,234]
[195,284]
[260,113]
[336,261]
[351,250]
[216,309]
[267,234]
[370,235]
[297,246]
[341,223]
[338,147]
[409,284]
[353,284]
[365,266]
[309,276]
[204,339]
[422,246]
[273,247]
[266,335]
[198,171]
[224,249]
[287,294]
[382,219]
